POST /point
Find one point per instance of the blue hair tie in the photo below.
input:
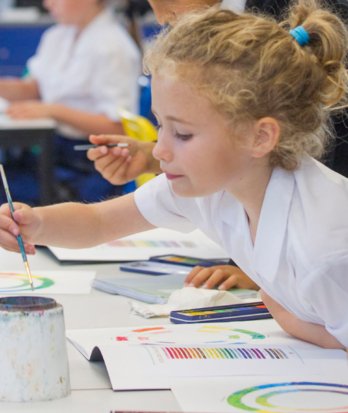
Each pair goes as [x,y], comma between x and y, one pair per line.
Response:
[301,35]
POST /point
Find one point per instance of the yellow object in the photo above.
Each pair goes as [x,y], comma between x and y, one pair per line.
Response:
[140,128]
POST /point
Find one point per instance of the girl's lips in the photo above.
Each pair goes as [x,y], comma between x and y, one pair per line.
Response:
[171,176]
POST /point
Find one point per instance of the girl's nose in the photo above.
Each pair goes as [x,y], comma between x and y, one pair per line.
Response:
[162,152]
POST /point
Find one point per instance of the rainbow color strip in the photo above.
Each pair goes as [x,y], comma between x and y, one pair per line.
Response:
[238,399]
[143,243]
[20,283]
[176,353]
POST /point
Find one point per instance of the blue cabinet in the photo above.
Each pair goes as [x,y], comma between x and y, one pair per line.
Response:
[18,42]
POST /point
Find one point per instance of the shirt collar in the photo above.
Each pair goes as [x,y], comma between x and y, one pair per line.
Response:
[88,34]
[101,19]
[238,6]
[273,221]
[263,258]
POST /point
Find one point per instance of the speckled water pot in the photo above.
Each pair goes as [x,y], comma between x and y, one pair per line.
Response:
[33,356]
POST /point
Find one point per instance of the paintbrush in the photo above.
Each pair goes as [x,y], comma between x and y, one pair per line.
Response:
[19,237]
[108,145]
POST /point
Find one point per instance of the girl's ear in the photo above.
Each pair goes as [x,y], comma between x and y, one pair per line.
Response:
[266,136]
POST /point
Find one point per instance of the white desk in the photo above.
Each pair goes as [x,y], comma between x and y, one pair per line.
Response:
[26,133]
[91,390]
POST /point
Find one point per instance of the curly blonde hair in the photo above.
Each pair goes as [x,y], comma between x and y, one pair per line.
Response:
[250,67]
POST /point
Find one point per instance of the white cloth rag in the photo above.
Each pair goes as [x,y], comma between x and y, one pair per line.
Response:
[186,298]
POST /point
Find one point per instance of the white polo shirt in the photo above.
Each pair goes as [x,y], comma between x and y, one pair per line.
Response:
[95,72]
[300,255]
[238,6]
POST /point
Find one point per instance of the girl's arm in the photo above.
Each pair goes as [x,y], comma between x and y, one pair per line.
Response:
[72,225]
[304,330]
[86,122]
[14,89]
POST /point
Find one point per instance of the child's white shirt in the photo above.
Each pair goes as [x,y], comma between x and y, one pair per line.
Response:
[238,6]
[300,254]
[95,72]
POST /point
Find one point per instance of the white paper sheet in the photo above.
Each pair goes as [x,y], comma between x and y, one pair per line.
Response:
[3,104]
[8,123]
[296,394]
[143,245]
[46,282]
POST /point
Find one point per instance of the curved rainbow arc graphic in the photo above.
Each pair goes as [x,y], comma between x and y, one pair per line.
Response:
[208,334]
[237,399]
[21,283]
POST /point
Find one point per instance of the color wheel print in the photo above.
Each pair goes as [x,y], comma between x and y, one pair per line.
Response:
[207,334]
[11,282]
[292,397]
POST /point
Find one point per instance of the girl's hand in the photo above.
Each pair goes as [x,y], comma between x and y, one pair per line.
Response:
[121,165]
[224,277]
[26,223]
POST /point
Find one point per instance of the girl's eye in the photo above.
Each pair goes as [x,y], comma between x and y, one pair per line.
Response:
[183,136]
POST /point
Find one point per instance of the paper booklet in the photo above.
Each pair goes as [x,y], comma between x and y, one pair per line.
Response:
[146,288]
[154,357]
[143,245]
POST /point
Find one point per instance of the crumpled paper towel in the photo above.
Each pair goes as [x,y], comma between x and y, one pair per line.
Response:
[185,298]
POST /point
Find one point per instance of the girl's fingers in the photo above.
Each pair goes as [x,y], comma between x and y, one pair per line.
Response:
[224,277]
[196,277]
[230,282]
[8,241]
[8,225]
[216,278]
[117,169]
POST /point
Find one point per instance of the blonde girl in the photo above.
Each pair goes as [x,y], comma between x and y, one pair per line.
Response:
[242,104]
